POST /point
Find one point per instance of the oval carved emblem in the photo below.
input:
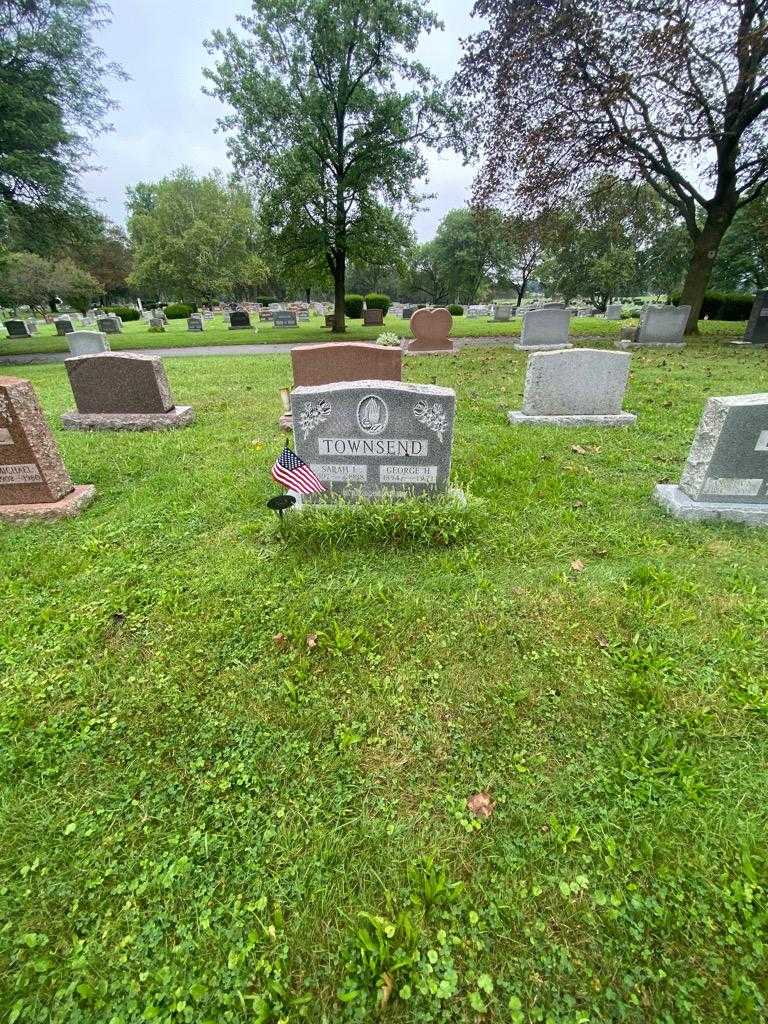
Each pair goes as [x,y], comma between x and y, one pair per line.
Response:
[372,415]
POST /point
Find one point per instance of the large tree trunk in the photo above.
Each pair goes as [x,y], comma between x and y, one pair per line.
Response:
[339,284]
[705,248]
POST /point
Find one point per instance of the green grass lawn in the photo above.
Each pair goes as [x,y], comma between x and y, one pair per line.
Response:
[137,335]
[235,767]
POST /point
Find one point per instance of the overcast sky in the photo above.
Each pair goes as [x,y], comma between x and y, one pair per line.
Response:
[165,121]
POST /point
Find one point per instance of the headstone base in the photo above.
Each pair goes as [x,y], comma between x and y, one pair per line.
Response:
[627,345]
[70,505]
[240,327]
[622,419]
[675,501]
[740,343]
[179,416]
[448,350]
[542,348]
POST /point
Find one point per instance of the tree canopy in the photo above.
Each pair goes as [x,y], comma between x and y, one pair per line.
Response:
[52,98]
[672,93]
[329,114]
[193,238]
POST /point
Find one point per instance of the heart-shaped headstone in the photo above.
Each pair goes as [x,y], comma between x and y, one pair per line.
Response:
[431,330]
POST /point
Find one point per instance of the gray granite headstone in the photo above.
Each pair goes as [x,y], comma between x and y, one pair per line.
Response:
[17,329]
[575,387]
[660,326]
[375,438]
[501,314]
[613,311]
[283,318]
[32,325]
[87,343]
[195,323]
[726,475]
[757,327]
[545,329]
[109,324]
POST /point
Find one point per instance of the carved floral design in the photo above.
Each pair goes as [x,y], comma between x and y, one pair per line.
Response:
[312,415]
[5,414]
[432,416]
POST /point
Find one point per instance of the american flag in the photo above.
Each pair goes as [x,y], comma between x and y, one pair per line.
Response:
[291,472]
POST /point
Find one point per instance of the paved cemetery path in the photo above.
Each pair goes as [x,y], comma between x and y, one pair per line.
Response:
[500,341]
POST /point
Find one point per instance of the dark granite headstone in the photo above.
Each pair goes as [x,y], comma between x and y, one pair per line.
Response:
[239,320]
[109,324]
[63,326]
[757,328]
[113,382]
[17,329]
[373,318]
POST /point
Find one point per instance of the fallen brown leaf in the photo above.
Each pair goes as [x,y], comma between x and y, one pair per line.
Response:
[312,641]
[280,639]
[601,641]
[481,805]
[578,565]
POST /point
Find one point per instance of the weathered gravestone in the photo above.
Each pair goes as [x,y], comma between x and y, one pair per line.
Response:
[375,438]
[431,329]
[17,329]
[195,322]
[575,388]
[330,321]
[501,314]
[32,325]
[757,327]
[239,320]
[283,318]
[122,391]
[34,483]
[660,327]
[726,476]
[408,312]
[544,329]
[87,343]
[109,324]
[157,324]
[63,325]
[315,365]
[613,311]
[373,317]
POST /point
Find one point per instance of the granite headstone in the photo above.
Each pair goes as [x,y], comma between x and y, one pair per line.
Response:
[17,329]
[757,327]
[375,438]
[544,329]
[431,331]
[726,475]
[575,388]
[34,483]
[373,317]
[87,343]
[283,318]
[239,320]
[122,391]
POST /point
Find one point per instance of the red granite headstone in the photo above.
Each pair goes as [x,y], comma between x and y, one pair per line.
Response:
[431,329]
[314,365]
[31,468]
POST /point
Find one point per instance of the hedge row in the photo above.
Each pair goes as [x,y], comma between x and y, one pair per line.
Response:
[124,312]
[724,305]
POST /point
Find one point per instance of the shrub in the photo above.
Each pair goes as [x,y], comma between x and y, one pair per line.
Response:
[723,305]
[266,300]
[455,310]
[353,306]
[178,311]
[375,300]
[125,313]
[388,338]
